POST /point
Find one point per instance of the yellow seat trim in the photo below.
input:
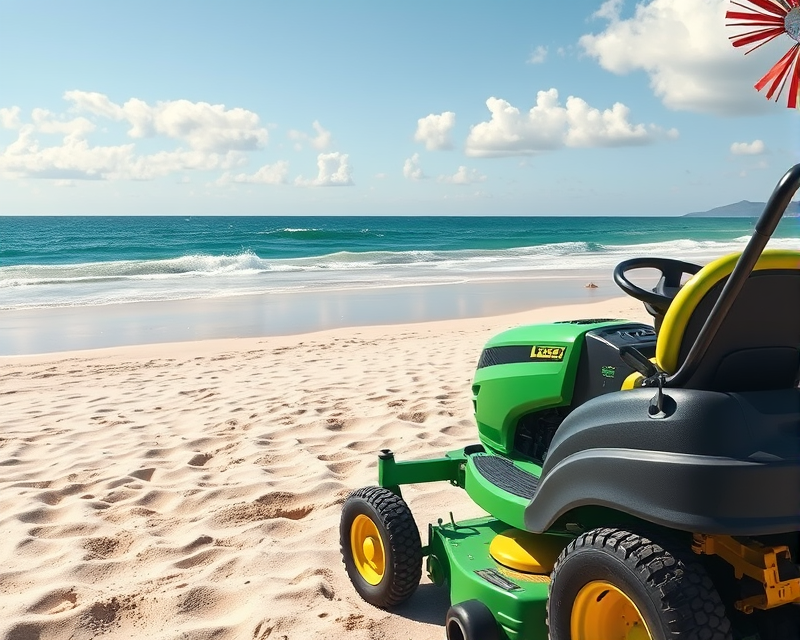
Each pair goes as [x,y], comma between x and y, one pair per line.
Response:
[683,306]
[633,381]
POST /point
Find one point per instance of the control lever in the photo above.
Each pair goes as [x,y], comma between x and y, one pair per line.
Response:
[637,361]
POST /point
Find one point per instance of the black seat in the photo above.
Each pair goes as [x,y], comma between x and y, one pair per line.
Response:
[757,347]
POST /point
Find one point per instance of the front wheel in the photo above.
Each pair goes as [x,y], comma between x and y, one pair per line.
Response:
[470,620]
[380,545]
[612,584]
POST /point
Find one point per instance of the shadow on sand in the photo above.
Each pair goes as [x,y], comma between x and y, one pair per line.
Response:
[429,604]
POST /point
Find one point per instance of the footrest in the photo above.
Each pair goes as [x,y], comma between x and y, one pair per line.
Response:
[505,475]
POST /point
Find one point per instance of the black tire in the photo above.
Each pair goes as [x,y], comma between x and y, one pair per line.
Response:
[668,587]
[401,568]
[471,620]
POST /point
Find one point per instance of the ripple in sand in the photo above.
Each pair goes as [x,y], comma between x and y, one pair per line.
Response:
[200,559]
[57,601]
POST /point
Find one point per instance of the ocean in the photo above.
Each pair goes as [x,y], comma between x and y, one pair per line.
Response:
[48,262]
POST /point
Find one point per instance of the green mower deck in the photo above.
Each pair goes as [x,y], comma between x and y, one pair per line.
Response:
[459,556]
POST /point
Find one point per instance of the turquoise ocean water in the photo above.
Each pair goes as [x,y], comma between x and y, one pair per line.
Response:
[77,261]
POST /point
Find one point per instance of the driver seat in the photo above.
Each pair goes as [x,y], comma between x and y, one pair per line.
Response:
[757,347]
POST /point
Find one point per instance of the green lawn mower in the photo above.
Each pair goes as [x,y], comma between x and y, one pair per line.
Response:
[642,482]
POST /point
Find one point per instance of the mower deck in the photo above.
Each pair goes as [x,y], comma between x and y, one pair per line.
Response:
[459,555]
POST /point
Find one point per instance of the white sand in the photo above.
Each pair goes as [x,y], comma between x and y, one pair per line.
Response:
[193,490]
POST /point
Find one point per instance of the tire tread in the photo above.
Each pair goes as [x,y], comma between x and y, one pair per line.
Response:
[403,539]
[690,604]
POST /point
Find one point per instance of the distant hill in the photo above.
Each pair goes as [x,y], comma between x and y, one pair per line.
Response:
[743,209]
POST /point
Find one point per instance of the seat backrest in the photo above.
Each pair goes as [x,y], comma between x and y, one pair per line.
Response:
[757,347]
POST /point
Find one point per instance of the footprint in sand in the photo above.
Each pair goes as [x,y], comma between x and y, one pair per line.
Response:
[333,424]
[104,547]
[200,459]
[101,614]
[417,416]
[280,504]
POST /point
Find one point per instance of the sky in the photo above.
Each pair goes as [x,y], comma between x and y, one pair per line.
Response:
[421,107]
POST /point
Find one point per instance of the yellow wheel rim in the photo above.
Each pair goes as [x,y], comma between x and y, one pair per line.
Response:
[603,612]
[367,548]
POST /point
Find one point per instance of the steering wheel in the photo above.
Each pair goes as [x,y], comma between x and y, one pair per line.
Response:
[657,300]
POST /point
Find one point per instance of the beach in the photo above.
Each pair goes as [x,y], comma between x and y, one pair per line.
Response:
[192,489]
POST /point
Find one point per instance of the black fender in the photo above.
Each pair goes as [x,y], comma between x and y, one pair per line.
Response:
[726,463]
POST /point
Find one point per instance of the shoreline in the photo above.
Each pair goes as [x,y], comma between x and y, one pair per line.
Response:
[59,329]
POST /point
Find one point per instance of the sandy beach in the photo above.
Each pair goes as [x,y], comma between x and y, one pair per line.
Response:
[192,490]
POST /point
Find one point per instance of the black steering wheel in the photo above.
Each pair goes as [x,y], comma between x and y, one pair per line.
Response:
[657,300]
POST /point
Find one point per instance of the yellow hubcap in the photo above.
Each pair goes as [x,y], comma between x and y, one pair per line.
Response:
[603,612]
[367,548]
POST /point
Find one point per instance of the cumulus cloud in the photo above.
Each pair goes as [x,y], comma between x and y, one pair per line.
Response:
[754,148]
[268,174]
[434,131]
[412,170]
[334,171]
[203,126]
[463,176]
[538,56]
[683,47]
[215,138]
[46,122]
[609,10]
[549,125]
[9,118]
[320,142]
[75,159]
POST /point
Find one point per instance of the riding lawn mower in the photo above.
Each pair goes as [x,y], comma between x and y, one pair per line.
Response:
[641,482]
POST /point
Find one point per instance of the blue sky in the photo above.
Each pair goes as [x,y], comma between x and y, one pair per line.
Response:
[372,108]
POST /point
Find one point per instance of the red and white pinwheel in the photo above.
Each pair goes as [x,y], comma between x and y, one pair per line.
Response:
[769,19]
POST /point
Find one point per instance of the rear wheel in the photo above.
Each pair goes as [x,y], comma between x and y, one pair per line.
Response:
[612,584]
[380,545]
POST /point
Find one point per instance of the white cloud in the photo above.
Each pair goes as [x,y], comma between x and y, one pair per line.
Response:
[205,127]
[268,174]
[754,148]
[590,127]
[412,170]
[434,131]
[609,10]
[96,103]
[216,138]
[463,176]
[320,142]
[46,122]
[683,47]
[75,159]
[538,56]
[334,171]
[9,118]
[549,125]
